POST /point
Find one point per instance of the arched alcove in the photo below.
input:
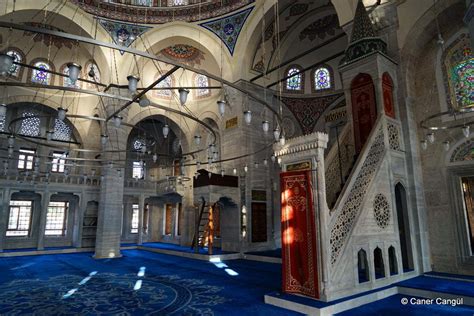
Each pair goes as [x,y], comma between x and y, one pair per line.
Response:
[379,266]
[363,266]
[392,260]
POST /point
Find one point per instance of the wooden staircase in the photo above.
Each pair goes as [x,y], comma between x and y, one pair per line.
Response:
[204,228]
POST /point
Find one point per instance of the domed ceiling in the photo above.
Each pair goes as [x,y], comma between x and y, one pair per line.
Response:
[160,11]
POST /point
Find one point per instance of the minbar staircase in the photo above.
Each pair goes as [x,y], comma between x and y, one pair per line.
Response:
[204,231]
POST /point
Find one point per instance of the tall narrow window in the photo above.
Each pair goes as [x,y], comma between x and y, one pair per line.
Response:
[26,159]
[17,58]
[62,131]
[202,82]
[135,214]
[30,124]
[56,219]
[161,91]
[19,219]
[59,162]
[295,79]
[322,79]
[138,171]
[41,75]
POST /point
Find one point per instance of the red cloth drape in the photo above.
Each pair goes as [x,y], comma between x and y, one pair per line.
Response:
[299,263]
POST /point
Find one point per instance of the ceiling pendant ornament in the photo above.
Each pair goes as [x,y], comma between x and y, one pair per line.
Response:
[183,53]
[228,28]
[123,34]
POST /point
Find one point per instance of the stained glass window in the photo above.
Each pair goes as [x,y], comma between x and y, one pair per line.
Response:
[462,76]
[203,83]
[30,125]
[67,82]
[458,72]
[322,79]
[294,81]
[166,83]
[40,75]
[62,131]
[15,69]
[92,69]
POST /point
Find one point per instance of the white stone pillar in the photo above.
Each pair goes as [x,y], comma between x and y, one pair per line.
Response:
[4,212]
[45,197]
[141,210]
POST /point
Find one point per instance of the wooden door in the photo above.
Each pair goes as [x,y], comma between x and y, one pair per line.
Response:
[168,219]
[364,109]
[259,222]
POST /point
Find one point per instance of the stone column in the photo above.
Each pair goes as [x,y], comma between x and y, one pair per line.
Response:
[109,222]
[45,197]
[5,206]
[141,211]
[78,220]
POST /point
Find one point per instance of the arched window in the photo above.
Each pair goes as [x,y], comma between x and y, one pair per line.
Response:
[164,93]
[92,69]
[62,131]
[66,81]
[30,125]
[202,82]
[15,70]
[363,266]
[294,81]
[458,71]
[322,79]
[378,264]
[392,260]
[40,75]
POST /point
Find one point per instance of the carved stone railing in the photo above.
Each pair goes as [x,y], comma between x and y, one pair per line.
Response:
[339,160]
[350,201]
[394,135]
[161,187]
[59,178]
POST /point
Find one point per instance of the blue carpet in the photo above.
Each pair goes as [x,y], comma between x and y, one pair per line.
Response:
[174,247]
[68,284]
[439,285]
[267,253]
[392,306]
[36,249]
[450,275]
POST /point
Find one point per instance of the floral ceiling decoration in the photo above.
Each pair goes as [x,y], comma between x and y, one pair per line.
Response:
[307,111]
[159,12]
[228,28]
[48,40]
[321,28]
[183,53]
[123,34]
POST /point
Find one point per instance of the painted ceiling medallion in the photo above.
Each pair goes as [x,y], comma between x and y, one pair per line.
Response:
[228,28]
[49,40]
[183,53]
[159,11]
[123,34]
